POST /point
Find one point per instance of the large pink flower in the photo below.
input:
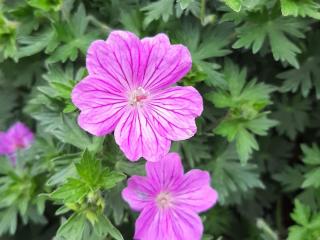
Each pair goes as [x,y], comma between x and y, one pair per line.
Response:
[169,200]
[17,137]
[129,91]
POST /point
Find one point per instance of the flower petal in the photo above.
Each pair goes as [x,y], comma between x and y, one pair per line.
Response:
[139,192]
[187,225]
[144,227]
[194,191]
[120,58]
[20,136]
[174,111]
[137,137]
[171,224]
[101,103]
[166,172]
[166,64]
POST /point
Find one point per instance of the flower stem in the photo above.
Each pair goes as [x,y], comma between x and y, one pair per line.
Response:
[202,10]
[279,216]
[99,24]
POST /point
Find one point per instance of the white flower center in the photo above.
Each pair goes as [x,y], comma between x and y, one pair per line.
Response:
[164,200]
[138,97]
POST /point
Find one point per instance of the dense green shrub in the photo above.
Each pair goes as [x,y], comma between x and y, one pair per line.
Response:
[255,62]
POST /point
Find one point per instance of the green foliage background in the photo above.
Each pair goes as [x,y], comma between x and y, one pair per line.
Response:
[255,62]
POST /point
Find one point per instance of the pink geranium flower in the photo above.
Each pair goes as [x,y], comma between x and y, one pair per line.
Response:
[16,138]
[169,200]
[129,91]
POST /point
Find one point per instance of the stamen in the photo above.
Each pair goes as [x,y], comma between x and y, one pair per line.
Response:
[164,200]
[138,96]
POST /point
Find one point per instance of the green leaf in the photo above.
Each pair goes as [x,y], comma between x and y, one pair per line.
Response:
[5,109]
[131,168]
[229,129]
[8,220]
[312,178]
[245,143]
[32,73]
[240,94]
[216,225]
[63,168]
[68,75]
[205,46]
[261,125]
[297,233]
[114,232]
[307,76]
[310,197]
[245,102]
[71,37]
[194,7]
[46,5]
[63,89]
[89,169]
[74,190]
[69,108]
[242,133]
[8,33]
[35,44]
[287,51]
[68,131]
[116,206]
[257,29]
[132,21]
[290,178]
[235,5]
[292,114]
[184,4]
[301,214]
[311,154]
[63,53]
[79,21]
[311,158]
[77,227]
[111,179]
[194,150]
[160,9]
[307,224]
[19,188]
[230,178]
[301,8]
[73,228]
